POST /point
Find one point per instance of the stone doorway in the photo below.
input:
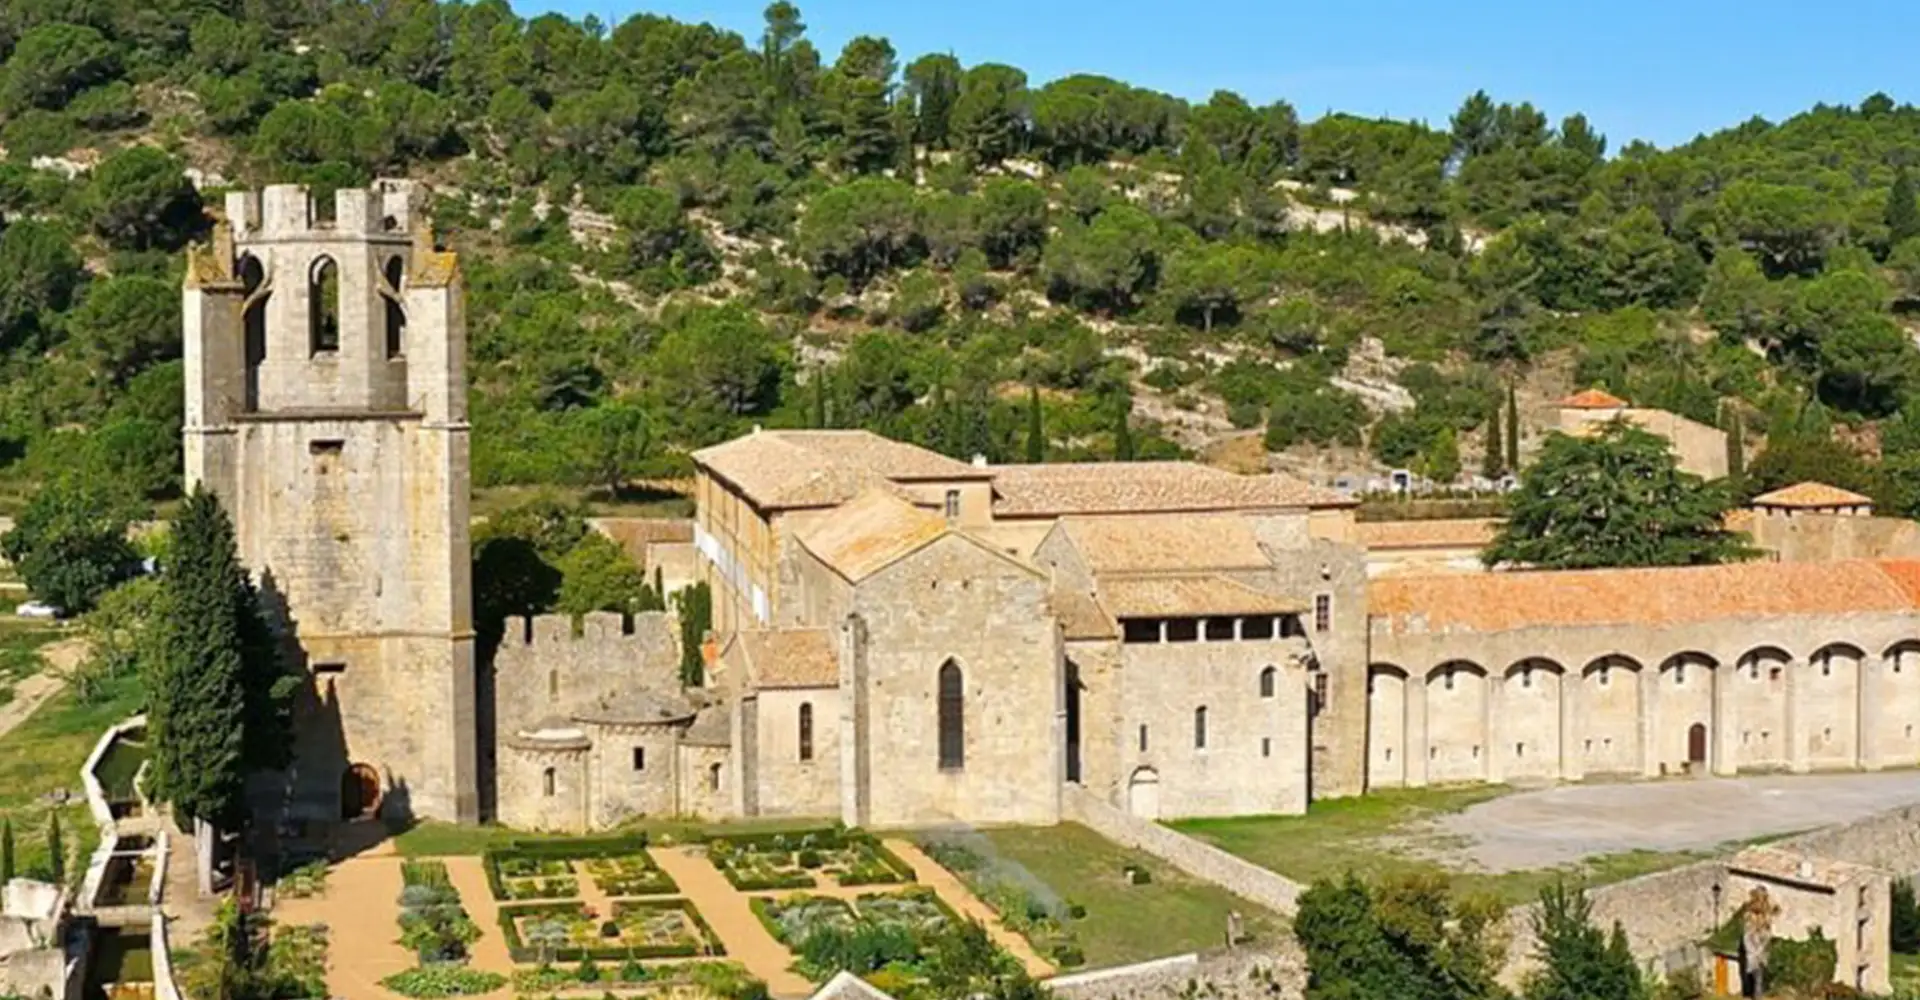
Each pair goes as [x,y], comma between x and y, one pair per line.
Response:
[1143,794]
[1697,746]
[359,792]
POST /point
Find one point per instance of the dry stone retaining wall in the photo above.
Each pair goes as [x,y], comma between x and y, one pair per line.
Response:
[1227,975]
[1201,860]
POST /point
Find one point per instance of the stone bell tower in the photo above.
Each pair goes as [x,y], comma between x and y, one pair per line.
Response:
[327,407]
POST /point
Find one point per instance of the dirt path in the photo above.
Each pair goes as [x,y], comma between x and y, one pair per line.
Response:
[469,876]
[728,913]
[358,909]
[31,693]
[965,903]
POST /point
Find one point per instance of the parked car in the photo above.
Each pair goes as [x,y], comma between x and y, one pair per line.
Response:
[37,609]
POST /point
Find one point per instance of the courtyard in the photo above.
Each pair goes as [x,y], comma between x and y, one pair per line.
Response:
[1499,840]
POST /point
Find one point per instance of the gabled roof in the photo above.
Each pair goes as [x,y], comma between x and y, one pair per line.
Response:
[862,537]
[1203,543]
[783,658]
[1188,597]
[1802,869]
[780,470]
[1146,488]
[1677,595]
[1593,399]
[1081,617]
[1811,496]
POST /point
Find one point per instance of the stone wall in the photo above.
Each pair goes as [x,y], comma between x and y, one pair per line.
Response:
[547,666]
[1810,537]
[1271,971]
[1200,860]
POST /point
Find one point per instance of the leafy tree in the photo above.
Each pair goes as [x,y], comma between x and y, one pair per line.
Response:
[53,62]
[1402,938]
[39,271]
[1790,229]
[1211,281]
[714,365]
[1010,220]
[1615,498]
[860,230]
[125,324]
[1903,930]
[987,120]
[1793,456]
[219,698]
[599,575]
[860,91]
[138,198]
[70,544]
[1578,960]
[1903,212]
[1108,264]
[611,445]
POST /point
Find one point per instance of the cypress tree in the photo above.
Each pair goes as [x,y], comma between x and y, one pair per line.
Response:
[819,399]
[1736,447]
[1036,430]
[1122,430]
[6,850]
[657,600]
[1513,430]
[696,619]
[1903,213]
[215,676]
[1494,465]
[56,851]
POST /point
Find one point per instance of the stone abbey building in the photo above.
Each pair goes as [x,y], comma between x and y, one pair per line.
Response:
[904,639]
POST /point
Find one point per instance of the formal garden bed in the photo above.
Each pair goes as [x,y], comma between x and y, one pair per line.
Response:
[797,859]
[437,929]
[884,937]
[632,978]
[636,929]
[550,869]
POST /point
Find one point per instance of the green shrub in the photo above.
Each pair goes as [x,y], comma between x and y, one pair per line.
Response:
[443,981]
[1801,967]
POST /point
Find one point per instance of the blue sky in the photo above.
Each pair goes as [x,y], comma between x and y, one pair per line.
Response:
[1663,70]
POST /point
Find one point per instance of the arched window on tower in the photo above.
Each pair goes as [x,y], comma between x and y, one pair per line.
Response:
[253,313]
[806,731]
[323,304]
[953,717]
[395,273]
[1266,682]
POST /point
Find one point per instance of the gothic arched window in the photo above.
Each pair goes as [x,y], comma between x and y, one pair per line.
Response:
[953,718]
[394,272]
[806,731]
[323,303]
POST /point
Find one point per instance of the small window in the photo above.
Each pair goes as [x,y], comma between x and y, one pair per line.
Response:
[806,731]
[952,718]
[1266,682]
[547,782]
[1290,627]
[1519,749]
[1219,630]
[1143,739]
[1139,630]
[639,758]
[329,668]
[1257,627]
[953,505]
[553,684]
[1319,701]
[713,777]
[1182,630]
[1266,746]
[1322,612]
[326,446]
[1200,728]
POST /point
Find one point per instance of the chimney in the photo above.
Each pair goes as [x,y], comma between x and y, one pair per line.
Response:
[979,461]
[1806,868]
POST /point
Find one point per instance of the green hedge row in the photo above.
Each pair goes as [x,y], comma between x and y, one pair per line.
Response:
[568,849]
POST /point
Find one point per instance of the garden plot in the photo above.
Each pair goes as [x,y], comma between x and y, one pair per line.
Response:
[885,938]
[798,860]
[630,875]
[526,877]
[636,929]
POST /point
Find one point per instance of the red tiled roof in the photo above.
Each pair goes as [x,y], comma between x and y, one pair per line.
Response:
[1811,496]
[1592,399]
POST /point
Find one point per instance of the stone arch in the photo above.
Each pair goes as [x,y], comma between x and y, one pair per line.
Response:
[1610,716]
[714,776]
[1458,701]
[1893,707]
[1269,680]
[1143,793]
[360,792]
[1386,725]
[1683,699]
[952,716]
[1756,698]
[1528,719]
[394,275]
[253,321]
[323,306]
[1827,706]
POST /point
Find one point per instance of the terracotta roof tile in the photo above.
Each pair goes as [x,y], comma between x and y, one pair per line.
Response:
[1195,596]
[788,658]
[1811,495]
[1493,602]
[860,538]
[1592,399]
[1081,617]
[1203,543]
[780,470]
[1448,533]
[1145,487]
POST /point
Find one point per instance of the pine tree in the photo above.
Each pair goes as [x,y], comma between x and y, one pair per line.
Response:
[56,851]
[1036,429]
[1903,213]
[1513,430]
[1494,465]
[6,850]
[218,703]
[1123,430]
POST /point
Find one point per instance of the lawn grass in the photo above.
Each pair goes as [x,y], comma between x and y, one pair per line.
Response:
[45,753]
[1371,837]
[1125,923]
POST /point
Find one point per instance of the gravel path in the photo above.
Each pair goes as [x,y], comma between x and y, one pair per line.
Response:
[1563,825]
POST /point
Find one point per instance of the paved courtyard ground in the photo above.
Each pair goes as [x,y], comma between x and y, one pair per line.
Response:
[1568,824]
